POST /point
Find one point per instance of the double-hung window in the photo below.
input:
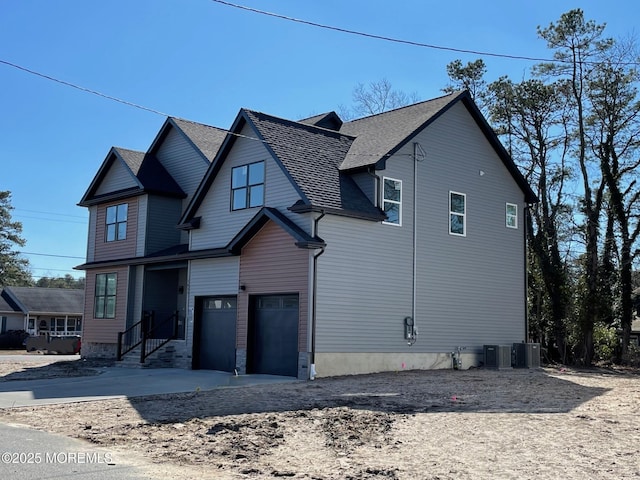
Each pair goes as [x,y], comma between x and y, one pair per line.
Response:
[457,214]
[512,215]
[392,200]
[105,295]
[247,186]
[116,222]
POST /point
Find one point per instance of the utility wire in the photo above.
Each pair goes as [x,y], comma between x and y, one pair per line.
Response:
[50,255]
[47,213]
[57,220]
[83,89]
[397,40]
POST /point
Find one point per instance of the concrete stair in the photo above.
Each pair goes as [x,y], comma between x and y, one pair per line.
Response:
[162,358]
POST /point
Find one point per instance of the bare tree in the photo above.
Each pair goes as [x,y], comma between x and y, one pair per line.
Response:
[374,98]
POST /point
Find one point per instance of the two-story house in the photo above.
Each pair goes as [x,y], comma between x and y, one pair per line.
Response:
[311,247]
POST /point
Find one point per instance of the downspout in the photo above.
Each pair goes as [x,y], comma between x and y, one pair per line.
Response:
[376,186]
[417,150]
[415,233]
[312,360]
[526,273]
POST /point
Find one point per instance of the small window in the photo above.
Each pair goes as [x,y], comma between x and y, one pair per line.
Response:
[116,221]
[222,303]
[392,201]
[512,215]
[105,296]
[247,186]
[457,213]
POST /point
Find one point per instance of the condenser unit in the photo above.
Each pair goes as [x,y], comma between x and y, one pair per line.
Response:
[497,356]
[526,355]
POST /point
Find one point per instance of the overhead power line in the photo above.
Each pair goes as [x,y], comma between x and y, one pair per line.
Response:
[48,213]
[83,89]
[399,40]
[51,255]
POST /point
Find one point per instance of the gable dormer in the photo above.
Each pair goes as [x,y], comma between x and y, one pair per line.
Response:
[330,121]
[185,149]
[115,178]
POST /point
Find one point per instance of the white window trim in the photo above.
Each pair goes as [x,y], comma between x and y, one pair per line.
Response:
[507,215]
[464,215]
[399,224]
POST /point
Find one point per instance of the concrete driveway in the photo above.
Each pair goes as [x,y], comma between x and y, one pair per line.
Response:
[118,382]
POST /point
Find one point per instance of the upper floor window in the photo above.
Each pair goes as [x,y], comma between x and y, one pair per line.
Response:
[247,186]
[392,200]
[105,295]
[116,221]
[512,215]
[457,213]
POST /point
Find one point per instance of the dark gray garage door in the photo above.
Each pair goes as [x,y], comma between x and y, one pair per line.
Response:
[273,335]
[218,334]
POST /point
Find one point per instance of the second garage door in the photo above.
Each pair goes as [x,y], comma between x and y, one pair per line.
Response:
[273,335]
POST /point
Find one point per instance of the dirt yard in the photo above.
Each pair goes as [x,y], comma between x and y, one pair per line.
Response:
[476,424]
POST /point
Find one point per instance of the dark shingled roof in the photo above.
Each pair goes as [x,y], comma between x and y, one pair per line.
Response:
[380,135]
[6,305]
[312,157]
[47,300]
[132,158]
[206,138]
[148,172]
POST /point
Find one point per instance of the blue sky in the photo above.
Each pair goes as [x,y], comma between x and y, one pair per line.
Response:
[203,61]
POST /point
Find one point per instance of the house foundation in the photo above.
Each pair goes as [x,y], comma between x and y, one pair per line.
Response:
[332,364]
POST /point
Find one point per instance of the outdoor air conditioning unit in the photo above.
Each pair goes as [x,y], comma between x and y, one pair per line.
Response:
[497,356]
[527,355]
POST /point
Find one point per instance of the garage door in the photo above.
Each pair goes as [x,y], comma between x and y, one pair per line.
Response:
[273,335]
[218,333]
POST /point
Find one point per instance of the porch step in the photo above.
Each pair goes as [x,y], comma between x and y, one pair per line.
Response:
[161,358]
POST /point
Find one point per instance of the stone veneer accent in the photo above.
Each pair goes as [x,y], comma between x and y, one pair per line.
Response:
[98,350]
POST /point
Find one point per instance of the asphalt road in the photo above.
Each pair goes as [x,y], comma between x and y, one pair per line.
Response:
[28,454]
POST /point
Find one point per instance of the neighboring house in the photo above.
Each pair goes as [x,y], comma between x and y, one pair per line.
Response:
[635,332]
[296,247]
[40,311]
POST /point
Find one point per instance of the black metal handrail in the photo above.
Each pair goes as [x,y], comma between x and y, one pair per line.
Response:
[150,344]
[130,339]
[142,333]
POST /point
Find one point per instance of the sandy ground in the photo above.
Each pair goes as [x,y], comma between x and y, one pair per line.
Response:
[476,424]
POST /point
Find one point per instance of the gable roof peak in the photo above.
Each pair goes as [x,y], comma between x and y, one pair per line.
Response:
[300,124]
[449,97]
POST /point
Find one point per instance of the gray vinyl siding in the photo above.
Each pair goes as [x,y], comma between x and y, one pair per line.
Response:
[91,236]
[364,286]
[163,215]
[141,236]
[183,162]
[470,290]
[214,276]
[119,177]
[219,224]
[134,302]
